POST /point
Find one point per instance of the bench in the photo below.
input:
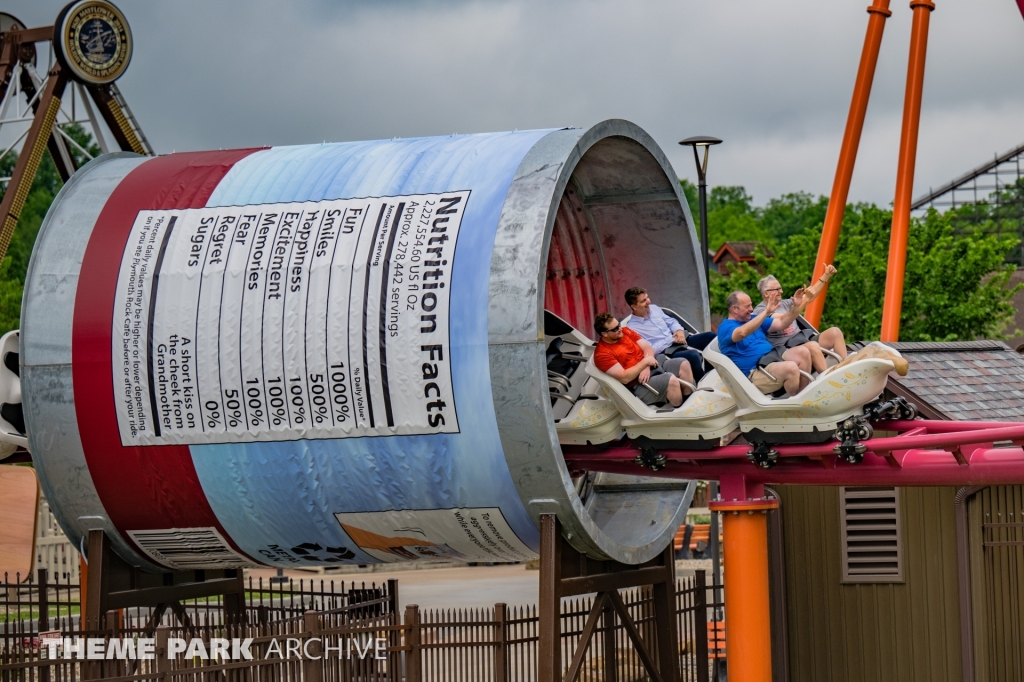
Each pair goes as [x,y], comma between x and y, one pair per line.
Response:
[694,538]
[716,639]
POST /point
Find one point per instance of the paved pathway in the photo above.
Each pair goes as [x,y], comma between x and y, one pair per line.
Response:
[459,587]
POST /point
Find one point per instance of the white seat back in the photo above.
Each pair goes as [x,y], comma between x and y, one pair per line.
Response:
[743,390]
[829,395]
[629,405]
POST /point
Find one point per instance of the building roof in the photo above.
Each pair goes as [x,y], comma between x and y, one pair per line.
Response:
[741,251]
[963,380]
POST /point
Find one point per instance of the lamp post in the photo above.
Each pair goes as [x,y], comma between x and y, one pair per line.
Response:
[702,187]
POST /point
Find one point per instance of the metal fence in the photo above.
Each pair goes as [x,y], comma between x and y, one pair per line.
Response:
[46,603]
[33,606]
[356,634]
[500,644]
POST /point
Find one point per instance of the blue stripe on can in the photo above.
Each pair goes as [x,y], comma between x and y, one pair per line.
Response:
[274,496]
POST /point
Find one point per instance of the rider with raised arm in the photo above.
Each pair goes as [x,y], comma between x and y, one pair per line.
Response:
[742,338]
[790,336]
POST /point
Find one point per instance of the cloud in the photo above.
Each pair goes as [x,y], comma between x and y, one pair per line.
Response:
[772,79]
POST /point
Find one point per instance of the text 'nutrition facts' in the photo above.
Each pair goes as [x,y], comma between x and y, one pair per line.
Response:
[321,319]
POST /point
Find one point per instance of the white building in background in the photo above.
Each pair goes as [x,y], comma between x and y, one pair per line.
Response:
[54,551]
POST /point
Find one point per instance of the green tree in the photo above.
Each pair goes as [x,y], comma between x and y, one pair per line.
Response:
[44,188]
[956,285]
[792,214]
[732,215]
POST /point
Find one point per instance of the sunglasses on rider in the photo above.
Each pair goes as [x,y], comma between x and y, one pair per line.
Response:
[613,329]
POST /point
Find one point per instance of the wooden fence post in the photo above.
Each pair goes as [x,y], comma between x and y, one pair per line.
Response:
[395,635]
[500,642]
[163,659]
[44,616]
[312,667]
[549,625]
[112,623]
[393,595]
[413,662]
[700,625]
[99,580]
[44,600]
[234,601]
[611,663]
[664,596]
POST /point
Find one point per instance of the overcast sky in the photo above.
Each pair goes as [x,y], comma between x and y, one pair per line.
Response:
[773,79]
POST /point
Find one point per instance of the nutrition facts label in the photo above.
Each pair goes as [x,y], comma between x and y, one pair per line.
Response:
[284,321]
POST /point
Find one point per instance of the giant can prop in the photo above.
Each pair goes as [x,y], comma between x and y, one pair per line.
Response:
[335,353]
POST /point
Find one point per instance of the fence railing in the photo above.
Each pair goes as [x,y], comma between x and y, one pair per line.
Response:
[500,644]
[33,606]
[47,603]
[351,634]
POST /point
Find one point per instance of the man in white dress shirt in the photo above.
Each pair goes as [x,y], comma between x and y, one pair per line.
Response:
[664,333]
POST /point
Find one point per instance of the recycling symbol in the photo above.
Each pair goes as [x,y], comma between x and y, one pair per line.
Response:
[311,550]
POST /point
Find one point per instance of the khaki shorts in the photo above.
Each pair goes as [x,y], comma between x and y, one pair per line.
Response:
[763,382]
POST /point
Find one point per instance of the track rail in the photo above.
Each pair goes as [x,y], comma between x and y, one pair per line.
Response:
[925,452]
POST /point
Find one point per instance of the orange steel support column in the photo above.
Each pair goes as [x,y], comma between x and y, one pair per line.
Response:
[879,12]
[905,172]
[747,612]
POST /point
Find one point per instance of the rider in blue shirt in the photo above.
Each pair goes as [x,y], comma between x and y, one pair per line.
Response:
[743,340]
[748,350]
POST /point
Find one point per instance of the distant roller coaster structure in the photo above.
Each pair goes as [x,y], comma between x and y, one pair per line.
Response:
[990,196]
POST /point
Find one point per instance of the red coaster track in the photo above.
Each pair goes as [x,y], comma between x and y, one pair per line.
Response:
[924,453]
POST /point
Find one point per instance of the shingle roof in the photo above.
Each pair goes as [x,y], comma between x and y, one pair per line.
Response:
[966,380]
[741,250]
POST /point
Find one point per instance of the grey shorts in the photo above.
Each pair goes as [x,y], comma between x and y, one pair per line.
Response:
[660,378]
[798,339]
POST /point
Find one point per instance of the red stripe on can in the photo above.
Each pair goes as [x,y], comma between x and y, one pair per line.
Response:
[141,488]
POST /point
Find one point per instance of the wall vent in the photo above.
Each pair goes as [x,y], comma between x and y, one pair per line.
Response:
[871,535]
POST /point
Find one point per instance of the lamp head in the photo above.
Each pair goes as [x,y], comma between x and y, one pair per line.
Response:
[700,141]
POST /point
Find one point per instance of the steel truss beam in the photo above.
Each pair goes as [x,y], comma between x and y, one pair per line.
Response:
[43,107]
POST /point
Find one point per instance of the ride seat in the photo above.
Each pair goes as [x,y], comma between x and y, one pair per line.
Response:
[592,420]
[705,415]
[827,400]
[557,362]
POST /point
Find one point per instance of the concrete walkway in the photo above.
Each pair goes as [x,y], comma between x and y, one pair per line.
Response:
[457,587]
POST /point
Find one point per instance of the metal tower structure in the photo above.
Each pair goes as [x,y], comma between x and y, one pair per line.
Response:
[990,196]
[87,49]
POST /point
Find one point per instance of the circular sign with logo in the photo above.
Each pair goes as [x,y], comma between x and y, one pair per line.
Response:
[93,41]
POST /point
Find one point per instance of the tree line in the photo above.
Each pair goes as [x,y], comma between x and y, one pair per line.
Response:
[957,277]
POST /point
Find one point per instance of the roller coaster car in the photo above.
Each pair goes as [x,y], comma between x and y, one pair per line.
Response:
[583,413]
[706,419]
[12,423]
[816,413]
